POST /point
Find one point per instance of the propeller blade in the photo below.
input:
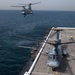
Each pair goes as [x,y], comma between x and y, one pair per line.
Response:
[35,3]
[23,4]
[30,3]
[56,44]
[18,6]
[67,42]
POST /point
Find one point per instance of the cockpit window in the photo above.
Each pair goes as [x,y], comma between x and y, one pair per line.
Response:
[50,57]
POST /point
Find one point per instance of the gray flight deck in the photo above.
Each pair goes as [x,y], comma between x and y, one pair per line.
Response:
[68,64]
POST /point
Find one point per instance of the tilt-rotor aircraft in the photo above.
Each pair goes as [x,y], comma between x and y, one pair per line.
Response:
[56,54]
[26,11]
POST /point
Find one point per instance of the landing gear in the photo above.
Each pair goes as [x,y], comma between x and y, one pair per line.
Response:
[24,15]
[54,69]
[65,55]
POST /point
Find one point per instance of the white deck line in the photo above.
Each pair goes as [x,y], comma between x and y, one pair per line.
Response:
[37,57]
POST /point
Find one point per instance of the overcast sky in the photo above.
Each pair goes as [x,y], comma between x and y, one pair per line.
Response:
[67,5]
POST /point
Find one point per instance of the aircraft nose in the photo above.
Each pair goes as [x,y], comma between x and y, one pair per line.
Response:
[53,63]
[23,13]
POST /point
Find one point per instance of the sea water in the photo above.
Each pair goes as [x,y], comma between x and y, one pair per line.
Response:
[17,30]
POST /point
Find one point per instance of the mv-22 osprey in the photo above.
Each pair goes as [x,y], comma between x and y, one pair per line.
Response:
[56,54]
[26,11]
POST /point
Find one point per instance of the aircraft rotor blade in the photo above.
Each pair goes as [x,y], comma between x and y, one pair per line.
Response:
[18,6]
[56,44]
[68,42]
[30,3]
[35,3]
[23,4]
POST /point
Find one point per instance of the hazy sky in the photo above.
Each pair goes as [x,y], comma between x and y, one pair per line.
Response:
[68,5]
